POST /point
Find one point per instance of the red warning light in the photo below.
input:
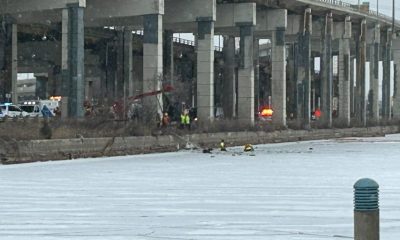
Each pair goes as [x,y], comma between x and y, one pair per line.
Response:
[317,113]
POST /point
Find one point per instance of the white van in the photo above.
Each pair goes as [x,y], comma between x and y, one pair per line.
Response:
[11,110]
[31,109]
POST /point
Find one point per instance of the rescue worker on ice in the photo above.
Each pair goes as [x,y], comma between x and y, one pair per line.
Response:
[222,145]
[248,148]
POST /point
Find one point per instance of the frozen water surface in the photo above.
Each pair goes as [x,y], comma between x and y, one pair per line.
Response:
[285,192]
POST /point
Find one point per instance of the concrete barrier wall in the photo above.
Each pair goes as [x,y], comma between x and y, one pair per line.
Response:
[58,149]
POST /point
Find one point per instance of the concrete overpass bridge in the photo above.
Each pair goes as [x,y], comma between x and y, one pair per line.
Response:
[87,38]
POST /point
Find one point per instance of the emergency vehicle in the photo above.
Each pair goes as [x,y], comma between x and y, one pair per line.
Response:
[34,107]
[11,110]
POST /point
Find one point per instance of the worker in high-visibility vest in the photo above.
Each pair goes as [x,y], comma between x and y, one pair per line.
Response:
[185,119]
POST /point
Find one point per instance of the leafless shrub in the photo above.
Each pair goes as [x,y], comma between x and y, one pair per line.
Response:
[46,131]
[20,129]
[295,125]
[339,123]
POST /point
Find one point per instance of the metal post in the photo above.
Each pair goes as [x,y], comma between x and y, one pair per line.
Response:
[394,17]
[377,8]
[366,210]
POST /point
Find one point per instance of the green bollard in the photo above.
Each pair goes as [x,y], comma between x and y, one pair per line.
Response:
[366,210]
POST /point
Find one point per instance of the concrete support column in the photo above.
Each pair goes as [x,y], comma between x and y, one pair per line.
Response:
[291,81]
[278,78]
[119,81]
[387,57]
[128,62]
[73,59]
[8,61]
[352,89]
[229,86]
[205,70]
[256,54]
[344,74]
[169,56]
[361,110]
[111,73]
[152,64]
[304,72]
[246,76]
[64,53]
[3,42]
[373,94]
[124,81]
[396,95]
[327,72]
[14,63]
[52,81]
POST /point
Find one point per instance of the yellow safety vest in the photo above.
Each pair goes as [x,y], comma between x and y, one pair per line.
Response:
[185,119]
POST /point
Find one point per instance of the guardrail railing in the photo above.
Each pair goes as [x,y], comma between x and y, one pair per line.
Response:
[184,41]
[192,43]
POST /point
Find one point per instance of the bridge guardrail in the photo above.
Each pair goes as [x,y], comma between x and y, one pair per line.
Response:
[192,43]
